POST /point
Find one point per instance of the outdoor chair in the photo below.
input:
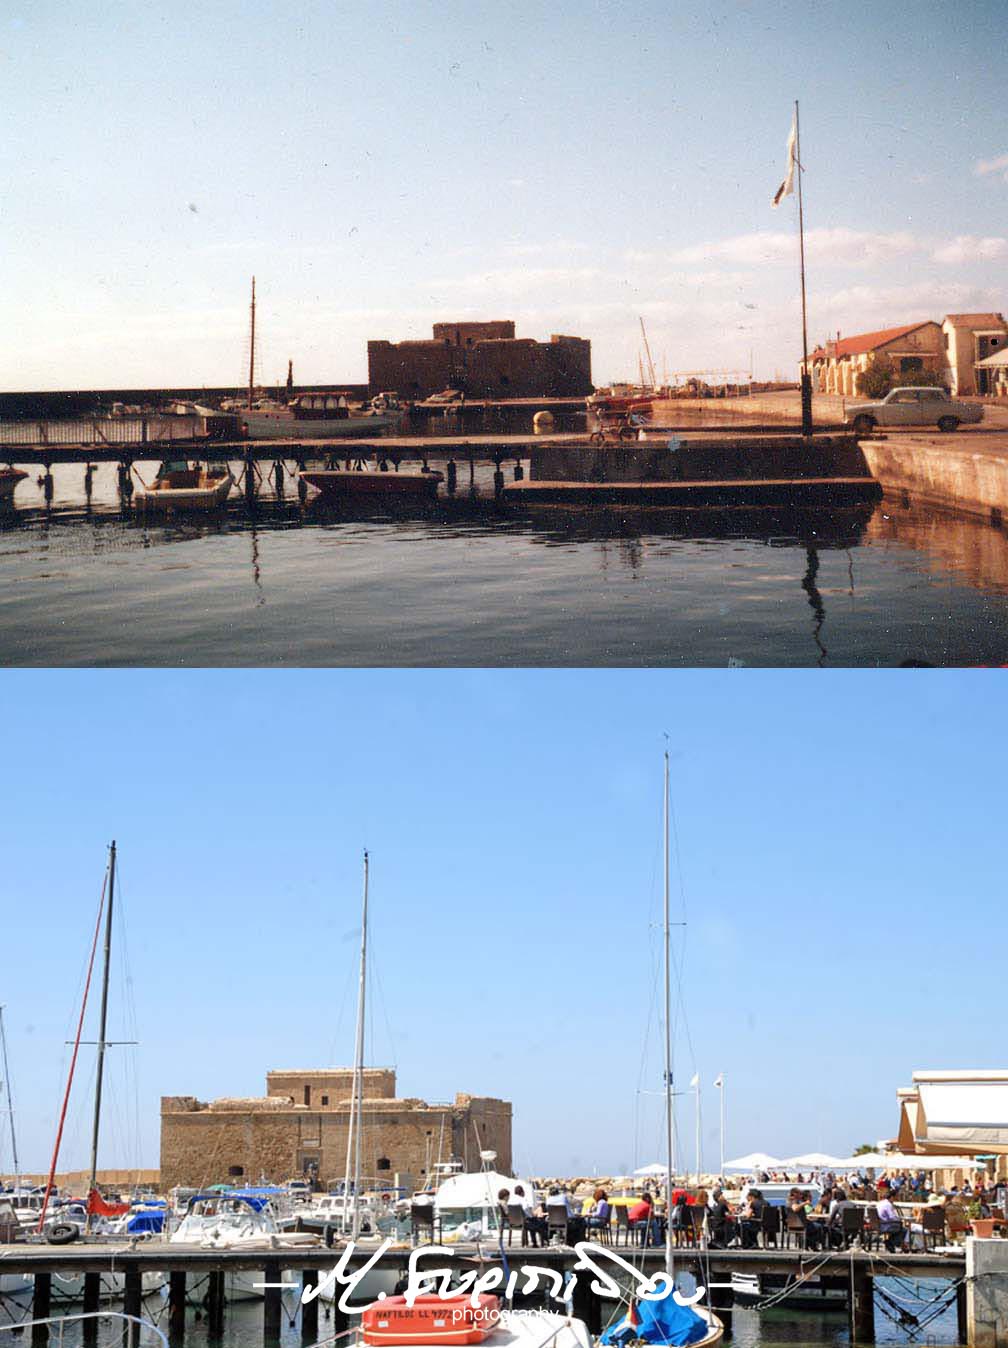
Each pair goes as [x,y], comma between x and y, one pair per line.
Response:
[932,1226]
[770,1225]
[795,1227]
[514,1216]
[623,1225]
[557,1222]
[851,1226]
[422,1223]
[871,1236]
[694,1224]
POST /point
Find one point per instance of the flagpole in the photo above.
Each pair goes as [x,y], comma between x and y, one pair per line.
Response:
[806,378]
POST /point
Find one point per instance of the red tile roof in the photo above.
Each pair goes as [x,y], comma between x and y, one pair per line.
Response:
[867,341]
[988,320]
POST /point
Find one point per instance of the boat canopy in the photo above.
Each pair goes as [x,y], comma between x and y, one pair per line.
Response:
[478,1189]
[258,1202]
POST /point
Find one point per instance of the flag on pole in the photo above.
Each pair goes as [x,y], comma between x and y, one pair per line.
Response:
[786,188]
[695,1082]
[719,1079]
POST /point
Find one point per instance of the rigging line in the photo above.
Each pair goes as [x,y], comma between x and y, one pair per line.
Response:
[73,1063]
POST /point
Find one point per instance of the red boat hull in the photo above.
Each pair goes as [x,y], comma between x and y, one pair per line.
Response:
[340,484]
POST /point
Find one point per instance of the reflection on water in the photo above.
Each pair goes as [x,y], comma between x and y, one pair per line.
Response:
[468,582]
[962,544]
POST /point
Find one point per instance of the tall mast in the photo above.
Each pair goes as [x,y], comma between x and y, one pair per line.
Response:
[10,1102]
[647,349]
[354,1125]
[102,1021]
[252,346]
[668,1043]
[806,378]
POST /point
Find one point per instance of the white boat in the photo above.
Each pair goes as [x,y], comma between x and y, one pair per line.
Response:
[467,1206]
[180,485]
[236,1220]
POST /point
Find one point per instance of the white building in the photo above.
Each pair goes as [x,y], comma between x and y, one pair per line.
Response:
[969,340]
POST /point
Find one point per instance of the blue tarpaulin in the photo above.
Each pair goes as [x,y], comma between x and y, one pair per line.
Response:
[662,1321]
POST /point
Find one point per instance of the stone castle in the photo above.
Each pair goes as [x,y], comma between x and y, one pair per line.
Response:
[300,1128]
[483,360]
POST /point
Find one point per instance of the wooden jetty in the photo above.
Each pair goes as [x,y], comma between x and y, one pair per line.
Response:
[290,1270]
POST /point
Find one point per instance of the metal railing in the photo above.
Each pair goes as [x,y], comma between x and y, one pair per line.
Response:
[134,1324]
[101,431]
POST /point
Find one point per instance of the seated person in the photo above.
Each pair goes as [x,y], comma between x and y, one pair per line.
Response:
[720,1223]
[535,1218]
[890,1222]
[600,1215]
[751,1220]
[642,1219]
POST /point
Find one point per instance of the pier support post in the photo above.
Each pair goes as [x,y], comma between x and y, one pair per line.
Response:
[451,479]
[132,1297]
[519,470]
[92,1298]
[89,471]
[250,479]
[215,1302]
[862,1307]
[272,1304]
[309,1309]
[176,1304]
[986,1293]
[41,1308]
[472,475]
[498,480]
[962,1319]
[723,1300]
[278,480]
[587,1306]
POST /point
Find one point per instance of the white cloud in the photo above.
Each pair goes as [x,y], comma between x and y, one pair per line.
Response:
[999,164]
[849,247]
[972,248]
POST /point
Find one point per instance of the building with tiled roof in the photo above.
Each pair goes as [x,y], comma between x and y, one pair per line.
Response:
[835,365]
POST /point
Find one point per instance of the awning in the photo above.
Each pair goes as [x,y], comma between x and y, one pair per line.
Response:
[756,1160]
[974,1113]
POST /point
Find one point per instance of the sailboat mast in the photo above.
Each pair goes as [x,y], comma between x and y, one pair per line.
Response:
[252,348]
[10,1102]
[668,1041]
[102,1021]
[354,1124]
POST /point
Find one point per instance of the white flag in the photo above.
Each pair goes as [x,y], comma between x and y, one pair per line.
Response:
[719,1079]
[787,186]
[695,1082]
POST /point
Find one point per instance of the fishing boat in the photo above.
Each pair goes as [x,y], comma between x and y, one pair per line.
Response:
[9,478]
[180,485]
[314,416]
[365,483]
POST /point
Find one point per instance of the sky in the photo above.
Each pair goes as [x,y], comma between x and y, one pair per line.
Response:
[839,870]
[383,166]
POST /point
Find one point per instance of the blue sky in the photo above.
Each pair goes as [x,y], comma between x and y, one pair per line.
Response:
[384,166]
[841,842]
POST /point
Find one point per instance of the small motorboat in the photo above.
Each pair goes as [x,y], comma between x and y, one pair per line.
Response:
[180,485]
[9,478]
[368,483]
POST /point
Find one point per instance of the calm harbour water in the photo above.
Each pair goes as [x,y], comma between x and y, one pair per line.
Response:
[470,585]
[767,1329]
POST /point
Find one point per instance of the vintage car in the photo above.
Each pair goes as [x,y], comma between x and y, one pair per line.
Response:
[913,407]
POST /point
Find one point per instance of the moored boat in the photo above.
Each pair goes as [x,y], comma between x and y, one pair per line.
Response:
[362,483]
[314,416]
[180,485]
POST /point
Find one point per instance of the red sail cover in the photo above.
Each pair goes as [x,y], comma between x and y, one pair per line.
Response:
[97,1206]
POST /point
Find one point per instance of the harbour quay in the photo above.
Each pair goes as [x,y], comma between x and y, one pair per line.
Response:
[979,1275]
